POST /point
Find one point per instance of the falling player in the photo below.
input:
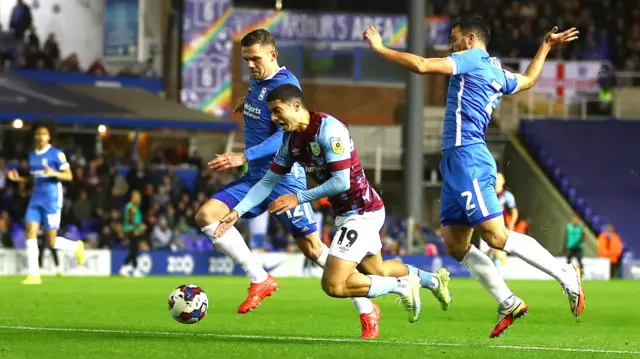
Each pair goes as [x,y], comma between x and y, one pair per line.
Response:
[263,138]
[323,146]
[48,167]
[468,200]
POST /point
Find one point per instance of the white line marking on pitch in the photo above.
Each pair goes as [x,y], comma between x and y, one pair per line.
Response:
[311,339]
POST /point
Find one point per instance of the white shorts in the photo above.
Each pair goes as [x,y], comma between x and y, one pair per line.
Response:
[357,236]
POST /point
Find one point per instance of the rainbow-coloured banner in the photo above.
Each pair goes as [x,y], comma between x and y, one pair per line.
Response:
[210,27]
[206,56]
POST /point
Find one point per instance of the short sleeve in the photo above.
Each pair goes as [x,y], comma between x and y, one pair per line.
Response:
[60,161]
[510,200]
[282,162]
[335,142]
[510,82]
[464,62]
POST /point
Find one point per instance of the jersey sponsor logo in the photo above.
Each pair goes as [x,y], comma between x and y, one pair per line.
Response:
[251,111]
[314,169]
[315,148]
[62,157]
[337,145]
[263,92]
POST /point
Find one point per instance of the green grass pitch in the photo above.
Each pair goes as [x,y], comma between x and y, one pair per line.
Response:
[128,318]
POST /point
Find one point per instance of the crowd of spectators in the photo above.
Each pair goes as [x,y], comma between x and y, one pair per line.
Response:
[609,29]
[22,48]
[172,192]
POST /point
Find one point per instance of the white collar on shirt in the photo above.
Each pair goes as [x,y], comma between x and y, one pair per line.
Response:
[43,151]
[273,74]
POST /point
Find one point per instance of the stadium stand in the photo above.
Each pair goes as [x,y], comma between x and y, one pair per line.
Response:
[595,165]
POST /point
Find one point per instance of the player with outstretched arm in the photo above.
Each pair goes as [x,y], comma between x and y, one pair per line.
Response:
[468,200]
[262,139]
[323,146]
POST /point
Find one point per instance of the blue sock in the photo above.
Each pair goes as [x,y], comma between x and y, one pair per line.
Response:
[425,277]
[382,285]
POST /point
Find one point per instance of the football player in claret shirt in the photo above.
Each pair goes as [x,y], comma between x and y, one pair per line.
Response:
[323,147]
[262,138]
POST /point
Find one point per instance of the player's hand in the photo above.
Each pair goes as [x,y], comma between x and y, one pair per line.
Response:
[13,176]
[283,204]
[553,38]
[239,106]
[373,38]
[225,223]
[48,171]
[227,160]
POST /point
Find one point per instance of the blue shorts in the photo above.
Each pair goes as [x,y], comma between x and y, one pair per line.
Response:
[299,221]
[468,195]
[47,216]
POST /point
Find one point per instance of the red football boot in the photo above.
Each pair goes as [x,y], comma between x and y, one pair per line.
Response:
[257,292]
[370,328]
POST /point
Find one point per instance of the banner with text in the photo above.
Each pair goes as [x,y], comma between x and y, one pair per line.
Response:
[98,263]
[210,26]
[279,264]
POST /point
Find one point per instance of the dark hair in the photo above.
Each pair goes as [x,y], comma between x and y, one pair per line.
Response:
[475,24]
[50,124]
[258,36]
[286,93]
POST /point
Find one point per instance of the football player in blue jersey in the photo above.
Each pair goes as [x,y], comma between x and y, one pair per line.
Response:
[48,167]
[262,139]
[468,199]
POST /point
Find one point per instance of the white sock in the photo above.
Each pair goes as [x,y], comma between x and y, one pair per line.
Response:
[481,267]
[322,259]
[234,246]
[32,257]
[530,251]
[384,285]
[363,305]
[64,244]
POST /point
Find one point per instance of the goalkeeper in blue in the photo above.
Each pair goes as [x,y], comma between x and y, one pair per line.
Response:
[468,200]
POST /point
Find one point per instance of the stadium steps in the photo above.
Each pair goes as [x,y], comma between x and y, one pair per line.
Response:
[595,164]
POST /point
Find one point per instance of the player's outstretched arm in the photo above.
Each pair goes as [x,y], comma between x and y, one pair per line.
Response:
[410,61]
[259,192]
[256,195]
[553,38]
[338,183]
[14,176]
[266,148]
[239,106]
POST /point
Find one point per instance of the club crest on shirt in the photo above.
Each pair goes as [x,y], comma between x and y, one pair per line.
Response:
[337,145]
[315,148]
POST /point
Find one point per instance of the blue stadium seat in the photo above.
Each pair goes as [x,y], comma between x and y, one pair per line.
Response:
[599,162]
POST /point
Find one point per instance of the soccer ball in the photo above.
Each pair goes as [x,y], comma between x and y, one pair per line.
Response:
[188,304]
